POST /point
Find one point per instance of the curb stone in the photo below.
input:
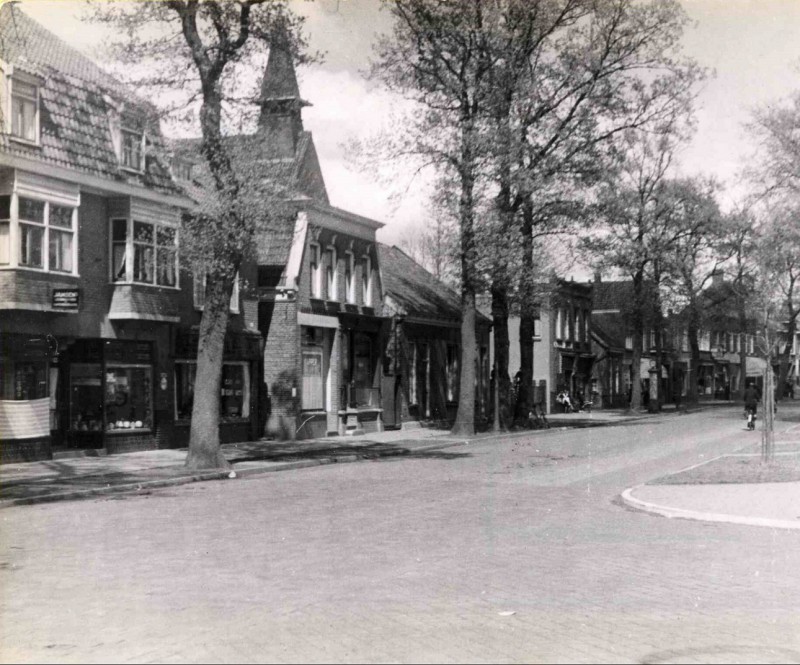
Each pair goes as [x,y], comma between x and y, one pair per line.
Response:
[682,513]
[128,488]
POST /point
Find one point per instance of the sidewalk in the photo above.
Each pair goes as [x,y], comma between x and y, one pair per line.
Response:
[769,504]
[82,477]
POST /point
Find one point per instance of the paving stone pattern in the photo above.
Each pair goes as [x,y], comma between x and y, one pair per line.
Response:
[487,552]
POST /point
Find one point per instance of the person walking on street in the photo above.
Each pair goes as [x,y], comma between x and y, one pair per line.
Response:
[751,405]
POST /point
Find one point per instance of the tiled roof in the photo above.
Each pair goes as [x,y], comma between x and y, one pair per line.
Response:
[610,328]
[292,170]
[416,291]
[76,105]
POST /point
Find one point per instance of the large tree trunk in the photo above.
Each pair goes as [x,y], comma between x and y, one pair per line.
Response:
[501,351]
[204,450]
[527,313]
[694,362]
[785,359]
[465,415]
[742,314]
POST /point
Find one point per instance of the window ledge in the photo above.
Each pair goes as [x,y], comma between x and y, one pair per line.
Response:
[41,271]
[25,142]
[129,169]
[146,285]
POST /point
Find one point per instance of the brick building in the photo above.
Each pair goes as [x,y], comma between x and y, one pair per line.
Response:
[96,332]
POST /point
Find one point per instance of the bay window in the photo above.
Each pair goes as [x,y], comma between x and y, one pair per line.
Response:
[24,110]
[151,248]
[31,232]
[45,234]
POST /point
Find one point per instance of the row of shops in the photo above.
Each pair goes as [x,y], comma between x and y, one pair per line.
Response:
[60,393]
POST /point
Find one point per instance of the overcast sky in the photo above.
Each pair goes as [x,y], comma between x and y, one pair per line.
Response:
[752,45]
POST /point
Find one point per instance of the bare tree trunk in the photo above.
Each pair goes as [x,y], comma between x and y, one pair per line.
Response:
[204,450]
[527,310]
[694,363]
[768,429]
[501,351]
[465,415]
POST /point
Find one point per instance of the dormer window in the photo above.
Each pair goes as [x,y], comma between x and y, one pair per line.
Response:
[182,169]
[24,110]
[133,149]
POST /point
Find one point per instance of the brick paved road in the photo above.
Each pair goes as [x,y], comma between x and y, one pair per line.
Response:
[418,559]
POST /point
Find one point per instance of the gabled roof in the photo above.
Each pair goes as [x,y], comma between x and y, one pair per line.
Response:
[612,295]
[414,291]
[78,100]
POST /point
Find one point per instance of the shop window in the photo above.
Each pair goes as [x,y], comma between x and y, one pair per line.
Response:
[199,290]
[24,110]
[362,369]
[23,380]
[234,390]
[153,249]
[316,271]
[313,393]
[331,282]
[452,372]
[129,397]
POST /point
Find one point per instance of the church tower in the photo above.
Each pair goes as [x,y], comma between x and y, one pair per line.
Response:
[281,106]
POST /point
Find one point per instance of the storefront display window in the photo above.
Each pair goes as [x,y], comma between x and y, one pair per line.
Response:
[129,398]
[234,390]
[23,380]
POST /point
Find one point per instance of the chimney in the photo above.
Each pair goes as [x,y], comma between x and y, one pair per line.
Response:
[717,278]
[597,277]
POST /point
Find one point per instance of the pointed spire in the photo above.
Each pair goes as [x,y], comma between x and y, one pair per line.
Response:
[279,82]
[281,106]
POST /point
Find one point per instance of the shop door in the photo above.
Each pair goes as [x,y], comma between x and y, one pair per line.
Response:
[390,397]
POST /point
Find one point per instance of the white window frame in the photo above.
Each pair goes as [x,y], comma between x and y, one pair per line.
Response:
[451,372]
[127,130]
[315,269]
[199,301]
[366,284]
[14,236]
[350,284]
[332,277]
[130,246]
[29,81]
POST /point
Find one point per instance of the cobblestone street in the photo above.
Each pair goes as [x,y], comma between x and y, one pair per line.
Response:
[502,552]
